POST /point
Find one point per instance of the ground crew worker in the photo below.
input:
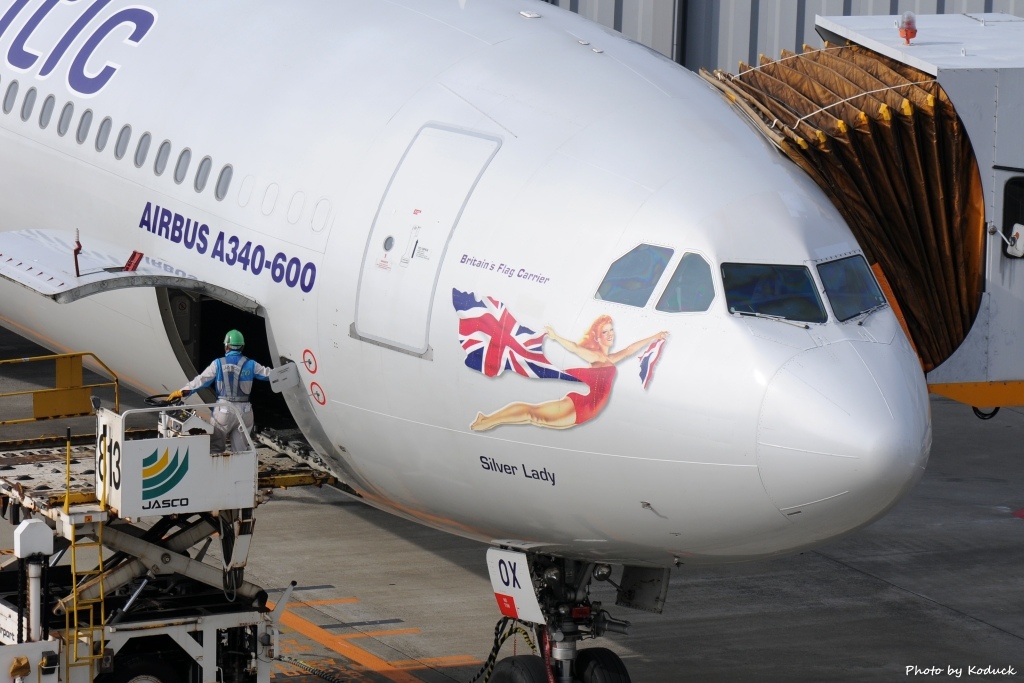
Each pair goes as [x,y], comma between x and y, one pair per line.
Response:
[233,374]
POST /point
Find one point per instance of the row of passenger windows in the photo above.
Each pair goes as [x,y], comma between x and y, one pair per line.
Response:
[122,143]
[782,291]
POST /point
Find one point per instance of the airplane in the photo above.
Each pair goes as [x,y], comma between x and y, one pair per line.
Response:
[538,285]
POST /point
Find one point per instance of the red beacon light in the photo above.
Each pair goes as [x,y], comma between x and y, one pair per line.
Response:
[908,27]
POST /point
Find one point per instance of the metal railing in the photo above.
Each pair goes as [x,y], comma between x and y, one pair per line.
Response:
[70,396]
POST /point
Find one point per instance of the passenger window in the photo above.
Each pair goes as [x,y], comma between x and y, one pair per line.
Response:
[64,122]
[47,111]
[123,138]
[83,126]
[142,150]
[106,125]
[203,174]
[223,182]
[850,287]
[11,97]
[181,168]
[633,277]
[690,289]
[28,104]
[163,153]
[781,291]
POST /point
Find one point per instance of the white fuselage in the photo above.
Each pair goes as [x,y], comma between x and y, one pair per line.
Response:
[528,154]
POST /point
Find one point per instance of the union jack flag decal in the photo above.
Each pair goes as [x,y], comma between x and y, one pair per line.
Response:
[648,357]
[494,341]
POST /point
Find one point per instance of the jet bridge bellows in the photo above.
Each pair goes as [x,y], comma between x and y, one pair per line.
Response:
[883,140]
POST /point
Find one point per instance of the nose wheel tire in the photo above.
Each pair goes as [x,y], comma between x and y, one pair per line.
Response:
[600,665]
[520,669]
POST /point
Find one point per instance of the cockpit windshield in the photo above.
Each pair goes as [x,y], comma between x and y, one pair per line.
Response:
[850,286]
[781,291]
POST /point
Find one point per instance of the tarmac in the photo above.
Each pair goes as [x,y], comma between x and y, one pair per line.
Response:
[928,592]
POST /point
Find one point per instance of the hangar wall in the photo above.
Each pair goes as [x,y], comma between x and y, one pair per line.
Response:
[651,22]
[718,34]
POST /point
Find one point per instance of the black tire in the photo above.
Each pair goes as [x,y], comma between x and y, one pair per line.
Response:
[982,415]
[600,665]
[520,669]
[144,671]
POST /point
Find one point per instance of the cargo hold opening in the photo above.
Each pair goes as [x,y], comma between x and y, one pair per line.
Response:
[196,325]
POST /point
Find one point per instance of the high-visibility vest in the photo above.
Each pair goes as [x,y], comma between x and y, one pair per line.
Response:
[234,378]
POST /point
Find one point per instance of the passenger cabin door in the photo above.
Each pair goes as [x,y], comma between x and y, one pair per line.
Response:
[414,223]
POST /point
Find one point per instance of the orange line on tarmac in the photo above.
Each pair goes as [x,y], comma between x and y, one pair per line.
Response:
[346,649]
[455,660]
[377,634]
[311,603]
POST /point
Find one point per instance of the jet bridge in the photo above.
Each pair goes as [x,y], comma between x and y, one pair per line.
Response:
[916,139]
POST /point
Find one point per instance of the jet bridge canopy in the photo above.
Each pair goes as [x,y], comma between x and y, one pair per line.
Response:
[901,137]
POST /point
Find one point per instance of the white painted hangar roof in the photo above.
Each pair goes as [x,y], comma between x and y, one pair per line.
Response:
[944,42]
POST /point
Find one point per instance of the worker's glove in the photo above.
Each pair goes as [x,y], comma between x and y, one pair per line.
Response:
[175,395]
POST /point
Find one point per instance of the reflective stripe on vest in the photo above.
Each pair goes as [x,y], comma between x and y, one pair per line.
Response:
[234,378]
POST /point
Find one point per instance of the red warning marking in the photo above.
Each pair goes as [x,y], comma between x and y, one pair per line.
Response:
[309,360]
[1019,513]
[133,262]
[318,394]
[507,605]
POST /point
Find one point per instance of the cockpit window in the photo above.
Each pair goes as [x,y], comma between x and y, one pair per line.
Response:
[782,291]
[690,289]
[632,277]
[850,287]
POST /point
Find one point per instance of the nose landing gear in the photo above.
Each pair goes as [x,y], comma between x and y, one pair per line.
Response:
[553,600]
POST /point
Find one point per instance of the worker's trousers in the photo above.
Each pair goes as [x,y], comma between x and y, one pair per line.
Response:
[225,422]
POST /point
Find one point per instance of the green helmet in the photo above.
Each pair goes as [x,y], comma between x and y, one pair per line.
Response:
[234,339]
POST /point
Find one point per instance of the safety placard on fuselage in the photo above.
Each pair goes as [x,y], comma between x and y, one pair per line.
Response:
[513,589]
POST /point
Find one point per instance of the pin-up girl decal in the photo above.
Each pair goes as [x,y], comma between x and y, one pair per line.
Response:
[495,342]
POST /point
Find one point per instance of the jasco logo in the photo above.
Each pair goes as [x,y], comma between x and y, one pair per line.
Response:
[82,77]
[161,473]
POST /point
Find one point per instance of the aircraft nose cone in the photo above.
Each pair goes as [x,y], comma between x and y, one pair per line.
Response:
[844,433]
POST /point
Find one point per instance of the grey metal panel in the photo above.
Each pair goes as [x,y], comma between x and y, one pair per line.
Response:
[965,6]
[972,95]
[969,363]
[701,41]
[813,8]
[1005,334]
[870,7]
[926,6]
[734,31]
[651,22]
[777,28]
[1009,6]
[1009,144]
[601,11]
